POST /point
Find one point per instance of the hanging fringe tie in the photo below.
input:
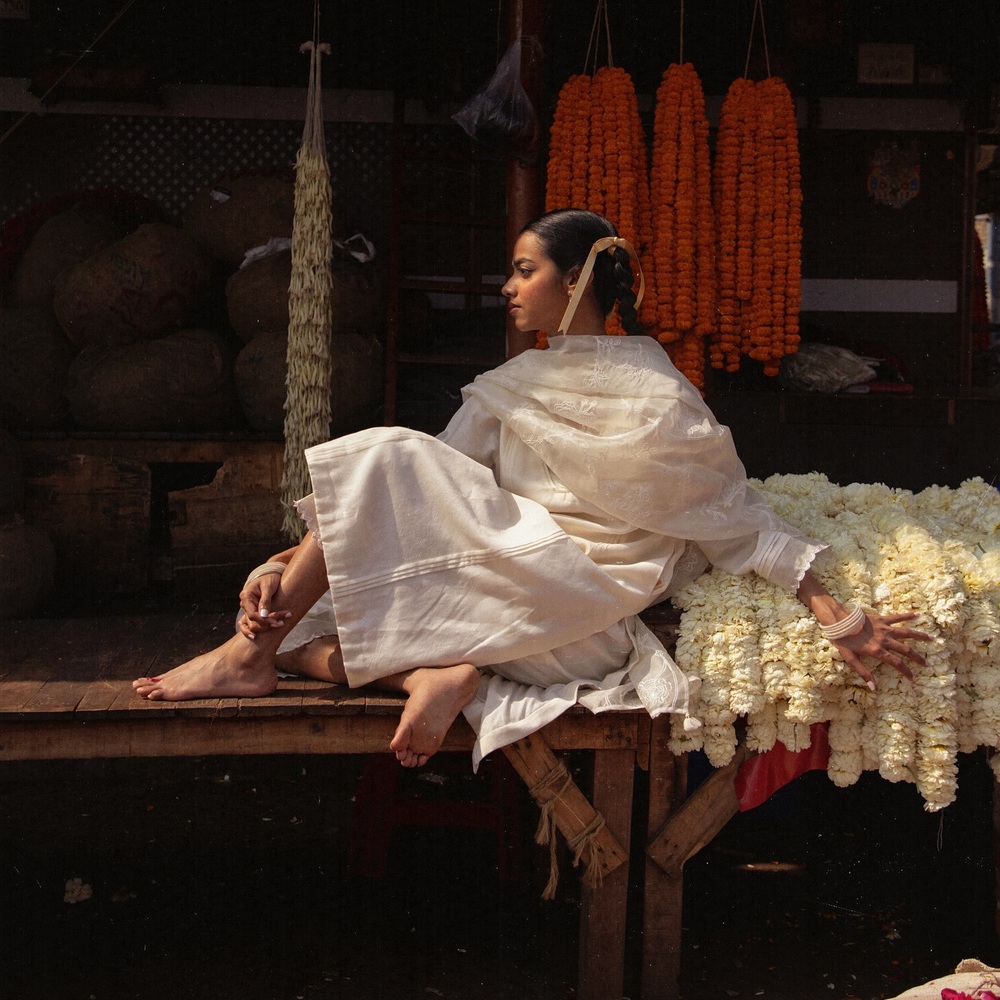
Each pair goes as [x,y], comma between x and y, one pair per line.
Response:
[584,843]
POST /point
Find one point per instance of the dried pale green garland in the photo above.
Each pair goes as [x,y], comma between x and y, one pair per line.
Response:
[310,309]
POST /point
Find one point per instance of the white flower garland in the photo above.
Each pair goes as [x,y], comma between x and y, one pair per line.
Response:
[760,653]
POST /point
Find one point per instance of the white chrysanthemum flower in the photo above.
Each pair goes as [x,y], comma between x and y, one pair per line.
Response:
[761,655]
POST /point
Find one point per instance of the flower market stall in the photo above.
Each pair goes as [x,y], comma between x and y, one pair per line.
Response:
[715,190]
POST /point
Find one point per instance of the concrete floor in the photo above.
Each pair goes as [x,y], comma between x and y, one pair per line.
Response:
[228,878]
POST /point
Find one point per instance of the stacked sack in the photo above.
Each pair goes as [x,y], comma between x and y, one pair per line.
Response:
[117,323]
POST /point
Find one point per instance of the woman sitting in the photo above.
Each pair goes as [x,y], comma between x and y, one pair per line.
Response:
[498,570]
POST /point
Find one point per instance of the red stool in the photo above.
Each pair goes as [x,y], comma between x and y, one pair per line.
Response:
[390,796]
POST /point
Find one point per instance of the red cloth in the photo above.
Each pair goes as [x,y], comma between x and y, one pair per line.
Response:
[762,774]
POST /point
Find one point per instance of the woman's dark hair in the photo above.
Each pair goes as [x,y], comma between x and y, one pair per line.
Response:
[566,236]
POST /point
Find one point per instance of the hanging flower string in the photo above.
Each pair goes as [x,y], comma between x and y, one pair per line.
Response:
[758,200]
[683,222]
[597,158]
[720,246]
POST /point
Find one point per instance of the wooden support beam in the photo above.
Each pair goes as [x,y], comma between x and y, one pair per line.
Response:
[553,788]
[525,192]
[702,815]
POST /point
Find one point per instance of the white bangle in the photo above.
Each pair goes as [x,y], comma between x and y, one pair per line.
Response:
[264,568]
[849,625]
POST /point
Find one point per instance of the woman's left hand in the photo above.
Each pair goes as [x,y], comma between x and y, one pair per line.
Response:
[882,639]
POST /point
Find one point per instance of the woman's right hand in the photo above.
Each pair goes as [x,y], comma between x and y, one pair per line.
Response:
[256,598]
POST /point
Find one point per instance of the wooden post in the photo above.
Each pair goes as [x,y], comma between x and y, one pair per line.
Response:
[603,909]
[525,183]
[996,852]
[663,894]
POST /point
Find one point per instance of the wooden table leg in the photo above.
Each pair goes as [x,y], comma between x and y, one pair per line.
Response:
[663,893]
[601,974]
[996,852]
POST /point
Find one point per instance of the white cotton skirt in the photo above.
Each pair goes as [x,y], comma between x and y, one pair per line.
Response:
[431,563]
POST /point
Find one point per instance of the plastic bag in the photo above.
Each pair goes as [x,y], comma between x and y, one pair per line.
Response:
[826,368]
[500,114]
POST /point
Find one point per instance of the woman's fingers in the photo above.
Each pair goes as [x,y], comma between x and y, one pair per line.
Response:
[882,640]
[255,600]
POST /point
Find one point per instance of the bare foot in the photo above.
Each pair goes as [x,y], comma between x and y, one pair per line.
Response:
[234,669]
[436,696]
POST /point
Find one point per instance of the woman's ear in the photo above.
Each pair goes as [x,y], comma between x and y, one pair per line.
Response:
[570,278]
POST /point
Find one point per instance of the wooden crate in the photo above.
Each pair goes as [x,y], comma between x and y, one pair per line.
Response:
[117,526]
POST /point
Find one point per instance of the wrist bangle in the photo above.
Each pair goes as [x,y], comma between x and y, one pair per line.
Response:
[264,568]
[850,624]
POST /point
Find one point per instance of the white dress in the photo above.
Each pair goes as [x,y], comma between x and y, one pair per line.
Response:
[574,488]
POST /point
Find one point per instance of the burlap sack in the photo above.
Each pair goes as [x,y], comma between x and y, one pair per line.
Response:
[181,382]
[236,214]
[61,241]
[136,289]
[257,296]
[356,383]
[36,359]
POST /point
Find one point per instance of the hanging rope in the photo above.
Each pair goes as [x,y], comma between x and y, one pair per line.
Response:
[680,51]
[594,43]
[758,7]
[310,309]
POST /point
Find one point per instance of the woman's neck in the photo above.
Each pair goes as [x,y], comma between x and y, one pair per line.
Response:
[588,320]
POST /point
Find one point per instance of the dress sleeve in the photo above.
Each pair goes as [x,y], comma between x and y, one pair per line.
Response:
[475,432]
[779,556]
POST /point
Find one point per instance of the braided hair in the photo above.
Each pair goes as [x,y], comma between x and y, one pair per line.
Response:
[566,236]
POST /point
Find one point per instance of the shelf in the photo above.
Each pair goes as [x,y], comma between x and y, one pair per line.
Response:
[457,286]
[466,221]
[468,360]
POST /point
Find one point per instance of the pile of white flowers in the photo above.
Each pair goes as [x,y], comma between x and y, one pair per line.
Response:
[760,654]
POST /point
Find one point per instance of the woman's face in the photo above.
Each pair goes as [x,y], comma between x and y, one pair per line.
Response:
[537,292]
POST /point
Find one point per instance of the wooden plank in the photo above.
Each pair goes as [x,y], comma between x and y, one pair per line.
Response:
[190,635]
[663,892]
[159,734]
[230,525]
[702,815]
[112,690]
[579,729]
[148,448]
[95,655]
[53,680]
[27,639]
[604,907]
[97,511]
[323,699]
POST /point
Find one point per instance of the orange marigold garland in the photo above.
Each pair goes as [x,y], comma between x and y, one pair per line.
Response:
[725,345]
[597,156]
[758,201]
[683,221]
[761,327]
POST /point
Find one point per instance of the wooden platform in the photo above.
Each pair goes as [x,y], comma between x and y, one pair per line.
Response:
[65,692]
